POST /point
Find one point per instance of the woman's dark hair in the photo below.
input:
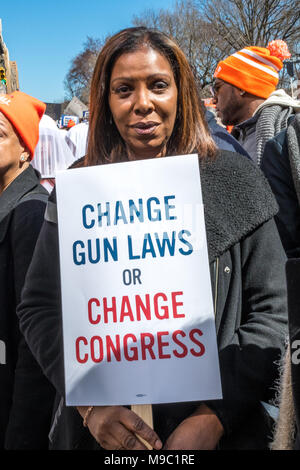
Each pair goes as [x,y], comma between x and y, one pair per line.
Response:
[190,133]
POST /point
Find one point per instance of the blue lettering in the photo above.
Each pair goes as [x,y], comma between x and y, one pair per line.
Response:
[150,248]
[90,254]
[131,256]
[156,211]
[112,250]
[84,222]
[103,214]
[168,207]
[119,208]
[185,242]
[138,211]
[78,257]
[165,241]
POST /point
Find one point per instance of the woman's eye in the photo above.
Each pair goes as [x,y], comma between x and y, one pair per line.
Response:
[160,85]
[123,89]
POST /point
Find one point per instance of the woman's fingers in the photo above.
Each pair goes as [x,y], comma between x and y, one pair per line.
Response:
[126,439]
[135,424]
[109,442]
[116,427]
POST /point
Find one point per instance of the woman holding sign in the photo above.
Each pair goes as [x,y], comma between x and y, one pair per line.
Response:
[144,104]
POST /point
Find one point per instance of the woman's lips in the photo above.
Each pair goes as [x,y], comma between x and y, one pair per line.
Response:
[145,128]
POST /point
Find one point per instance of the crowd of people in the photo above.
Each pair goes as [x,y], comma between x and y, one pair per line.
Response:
[250,181]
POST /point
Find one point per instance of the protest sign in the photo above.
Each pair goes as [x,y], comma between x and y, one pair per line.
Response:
[138,320]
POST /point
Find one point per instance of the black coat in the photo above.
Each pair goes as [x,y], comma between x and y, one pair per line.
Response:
[248,281]
[277,169]
[26,396]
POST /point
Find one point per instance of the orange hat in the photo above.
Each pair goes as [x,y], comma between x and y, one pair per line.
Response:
[24,112]
[254,69]
[71,123]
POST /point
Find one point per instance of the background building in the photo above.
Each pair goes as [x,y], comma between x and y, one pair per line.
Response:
[9,80]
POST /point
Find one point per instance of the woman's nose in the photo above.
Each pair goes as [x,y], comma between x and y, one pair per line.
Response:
[143,102]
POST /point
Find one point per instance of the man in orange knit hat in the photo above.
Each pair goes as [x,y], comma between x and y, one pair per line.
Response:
[246,97]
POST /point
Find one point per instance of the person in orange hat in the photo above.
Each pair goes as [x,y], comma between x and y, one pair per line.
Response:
[25,394]
[245,95]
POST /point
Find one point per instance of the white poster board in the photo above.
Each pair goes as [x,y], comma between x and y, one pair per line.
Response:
[138,320]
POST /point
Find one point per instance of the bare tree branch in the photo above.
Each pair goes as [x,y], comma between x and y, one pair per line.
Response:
[207,31]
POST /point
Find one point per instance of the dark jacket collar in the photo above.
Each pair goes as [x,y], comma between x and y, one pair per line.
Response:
[25,182]
[245,127]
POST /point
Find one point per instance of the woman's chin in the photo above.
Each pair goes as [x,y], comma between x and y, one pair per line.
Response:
[143,153]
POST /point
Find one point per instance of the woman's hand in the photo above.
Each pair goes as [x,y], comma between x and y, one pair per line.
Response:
[200,431]
[116,428]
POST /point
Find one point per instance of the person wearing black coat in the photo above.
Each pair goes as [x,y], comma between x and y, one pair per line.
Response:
[281,166]
[143,104]
[26,396]
[251,316]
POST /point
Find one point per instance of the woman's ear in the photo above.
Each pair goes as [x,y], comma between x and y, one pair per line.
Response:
[25,156]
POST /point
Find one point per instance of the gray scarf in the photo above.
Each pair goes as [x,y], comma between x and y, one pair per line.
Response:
[271,120]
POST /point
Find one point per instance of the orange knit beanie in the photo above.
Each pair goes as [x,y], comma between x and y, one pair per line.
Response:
[24,112]
[254,69]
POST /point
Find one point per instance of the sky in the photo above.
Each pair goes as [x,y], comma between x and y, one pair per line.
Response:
[44,36]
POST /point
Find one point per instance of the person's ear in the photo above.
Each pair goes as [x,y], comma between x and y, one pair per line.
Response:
[25,156]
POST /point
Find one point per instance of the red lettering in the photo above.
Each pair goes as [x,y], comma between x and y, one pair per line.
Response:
[98,318]
[107,309]
[132,349]
[179,343]
[176,304]
[85,342]
[115,349]
[201,346]
[97,340]
[139,305]
[148,346]
[126,309]
[163,307]
[161,344]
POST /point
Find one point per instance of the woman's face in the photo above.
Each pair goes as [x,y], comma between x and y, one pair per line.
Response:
[143,102]
[11,148]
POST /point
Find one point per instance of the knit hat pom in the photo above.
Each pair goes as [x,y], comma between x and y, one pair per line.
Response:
[279,48]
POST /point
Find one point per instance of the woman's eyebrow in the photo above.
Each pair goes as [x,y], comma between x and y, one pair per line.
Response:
[158,74]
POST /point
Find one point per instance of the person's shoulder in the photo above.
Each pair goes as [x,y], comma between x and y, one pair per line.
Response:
[228,161]
[37,193]
[30,210]
[235,178]
[79,163]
